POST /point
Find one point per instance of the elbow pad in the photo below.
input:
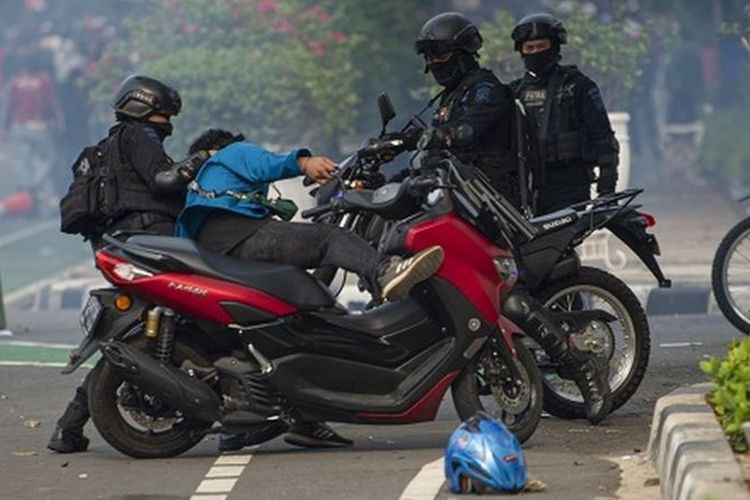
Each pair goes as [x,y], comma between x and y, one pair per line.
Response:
[180,174]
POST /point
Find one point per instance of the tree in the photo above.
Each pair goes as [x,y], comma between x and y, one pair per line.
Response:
[281,71]
[611,52]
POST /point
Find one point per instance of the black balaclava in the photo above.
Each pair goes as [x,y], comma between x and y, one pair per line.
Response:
[447,74]
[542,62]
[163,130]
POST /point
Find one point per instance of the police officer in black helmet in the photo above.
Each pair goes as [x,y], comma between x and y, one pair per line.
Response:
[475,109]
[150,195]
[473,120]
[568,115]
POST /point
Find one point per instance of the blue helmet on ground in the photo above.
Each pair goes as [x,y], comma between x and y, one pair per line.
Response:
[483,454]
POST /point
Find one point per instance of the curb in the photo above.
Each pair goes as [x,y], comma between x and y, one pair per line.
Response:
[689,449]
[676,301]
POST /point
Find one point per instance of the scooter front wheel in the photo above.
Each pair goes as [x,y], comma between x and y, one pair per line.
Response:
[485,385]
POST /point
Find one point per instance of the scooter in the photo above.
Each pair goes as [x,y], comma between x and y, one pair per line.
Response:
[216,344]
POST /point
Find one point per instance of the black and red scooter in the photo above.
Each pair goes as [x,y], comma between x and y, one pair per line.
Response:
[194,342]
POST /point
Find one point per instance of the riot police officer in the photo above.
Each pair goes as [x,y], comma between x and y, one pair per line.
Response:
[567,112]
[150,195]
[474,120]
[473,117]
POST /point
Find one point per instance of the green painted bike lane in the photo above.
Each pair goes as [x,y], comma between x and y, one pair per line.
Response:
[18,353]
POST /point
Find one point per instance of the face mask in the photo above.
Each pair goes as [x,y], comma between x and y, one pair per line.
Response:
[539,63]
[447,73]
[164,130]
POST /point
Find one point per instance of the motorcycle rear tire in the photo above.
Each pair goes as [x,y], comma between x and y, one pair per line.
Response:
[563,407]
[116,431]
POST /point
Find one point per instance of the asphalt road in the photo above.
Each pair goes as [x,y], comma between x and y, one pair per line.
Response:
[572,459]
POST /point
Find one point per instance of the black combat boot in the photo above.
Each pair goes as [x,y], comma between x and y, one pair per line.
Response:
[588,372]
[68,436]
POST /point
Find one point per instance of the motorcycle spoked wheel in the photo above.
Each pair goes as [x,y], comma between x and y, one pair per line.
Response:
[135,423]
[517,405]
[626,341]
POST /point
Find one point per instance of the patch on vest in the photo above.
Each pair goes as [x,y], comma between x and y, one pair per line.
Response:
[535,98]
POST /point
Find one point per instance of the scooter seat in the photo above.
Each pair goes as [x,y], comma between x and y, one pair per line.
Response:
[289,283]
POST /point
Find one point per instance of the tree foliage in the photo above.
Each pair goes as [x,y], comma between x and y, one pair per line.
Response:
[611,53]
[279,70]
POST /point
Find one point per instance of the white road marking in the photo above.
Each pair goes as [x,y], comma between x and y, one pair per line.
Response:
[29,231]
[427,483]
[216,485]
[25,343]
[225,471]
[682,344]
[233,460]
[222,476]
[39,364]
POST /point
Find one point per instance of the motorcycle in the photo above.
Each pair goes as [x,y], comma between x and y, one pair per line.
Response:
[614,325]
[208,343]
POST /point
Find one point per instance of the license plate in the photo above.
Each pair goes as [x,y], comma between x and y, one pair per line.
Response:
[90,315]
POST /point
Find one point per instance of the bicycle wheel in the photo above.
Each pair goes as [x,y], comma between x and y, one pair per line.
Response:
[730,276]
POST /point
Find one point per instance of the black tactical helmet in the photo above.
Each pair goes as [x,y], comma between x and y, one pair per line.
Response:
[139,96]
[448,32]
[535,26]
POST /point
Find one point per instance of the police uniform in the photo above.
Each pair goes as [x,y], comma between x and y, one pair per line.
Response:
[573,134]
[476,116]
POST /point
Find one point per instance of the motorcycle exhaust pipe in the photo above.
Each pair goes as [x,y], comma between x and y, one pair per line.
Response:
[174,387]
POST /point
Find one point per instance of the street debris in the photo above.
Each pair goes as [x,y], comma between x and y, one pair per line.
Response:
[32,423]
[64,464]
[24,453]
[83,476]
[534,486]
[652,481]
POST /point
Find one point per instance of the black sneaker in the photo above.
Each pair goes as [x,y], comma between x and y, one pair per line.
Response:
[316,435]
[398,275]
[68,442]
[234,442]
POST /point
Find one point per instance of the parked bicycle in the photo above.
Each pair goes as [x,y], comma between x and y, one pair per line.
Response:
[730,275]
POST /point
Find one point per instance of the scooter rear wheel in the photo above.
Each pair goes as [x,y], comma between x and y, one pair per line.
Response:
[155,431]
[519,407]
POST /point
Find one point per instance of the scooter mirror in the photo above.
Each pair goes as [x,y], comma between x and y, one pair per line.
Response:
[387,113]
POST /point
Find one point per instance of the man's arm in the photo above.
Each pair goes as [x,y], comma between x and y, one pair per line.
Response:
[488,101]
[259,165]
[148,158]
[600,135]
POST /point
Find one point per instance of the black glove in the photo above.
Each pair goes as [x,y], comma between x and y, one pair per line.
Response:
[187,168]
[607,181]
[434,138]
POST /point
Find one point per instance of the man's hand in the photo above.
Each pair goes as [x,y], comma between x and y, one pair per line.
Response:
[607,181]
[318,168]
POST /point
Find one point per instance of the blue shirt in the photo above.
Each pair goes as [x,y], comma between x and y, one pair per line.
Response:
[241,167]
